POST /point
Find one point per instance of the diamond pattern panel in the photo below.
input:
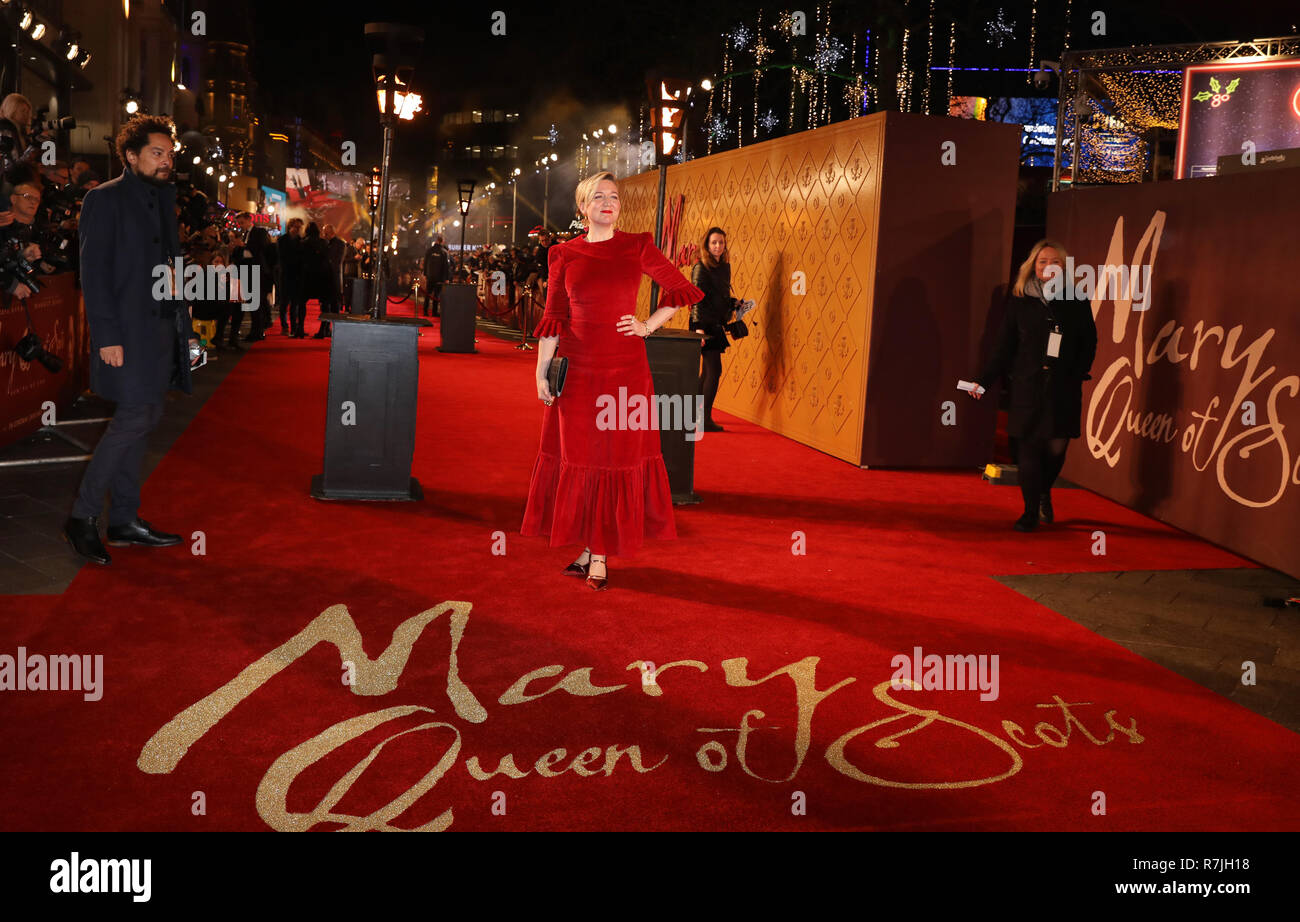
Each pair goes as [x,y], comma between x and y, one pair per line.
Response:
[801,203]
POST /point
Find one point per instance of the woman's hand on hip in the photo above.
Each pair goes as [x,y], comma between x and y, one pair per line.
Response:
[630,326]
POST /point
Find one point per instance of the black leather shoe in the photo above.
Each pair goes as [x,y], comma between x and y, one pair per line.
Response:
[1045,508]
[1026,522]
[140,532]
[83,535]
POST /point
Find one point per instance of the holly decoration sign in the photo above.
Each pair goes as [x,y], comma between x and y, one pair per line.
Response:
[1216,94]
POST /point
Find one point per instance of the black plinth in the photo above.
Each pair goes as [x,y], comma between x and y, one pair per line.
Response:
[457,307]
[370,412]
[674,357]
[360,296]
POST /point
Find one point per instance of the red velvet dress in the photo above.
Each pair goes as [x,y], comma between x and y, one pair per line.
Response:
[606,489]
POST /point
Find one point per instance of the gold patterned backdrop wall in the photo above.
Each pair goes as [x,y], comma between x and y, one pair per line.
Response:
[800,213]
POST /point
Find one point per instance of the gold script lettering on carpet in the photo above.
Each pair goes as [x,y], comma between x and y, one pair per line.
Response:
[381,675]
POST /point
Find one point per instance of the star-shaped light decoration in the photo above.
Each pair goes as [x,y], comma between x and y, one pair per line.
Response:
[741,36]
[1000,30]
[718,129]
[769,120]
[830,51]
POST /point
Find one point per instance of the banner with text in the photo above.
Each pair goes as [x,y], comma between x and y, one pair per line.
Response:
[1194,404]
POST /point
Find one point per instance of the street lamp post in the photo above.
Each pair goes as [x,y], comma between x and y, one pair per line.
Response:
[545,163]
[374,359]
[465,191]
[392,72]
[514,207]
[668,98]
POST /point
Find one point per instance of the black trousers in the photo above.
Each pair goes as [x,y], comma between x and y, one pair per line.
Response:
[710,376]
[1040,462]
[115,467]
[232,315]
[293,304]
[433,294]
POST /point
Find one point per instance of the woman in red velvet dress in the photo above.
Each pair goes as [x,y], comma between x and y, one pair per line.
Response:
[605,488]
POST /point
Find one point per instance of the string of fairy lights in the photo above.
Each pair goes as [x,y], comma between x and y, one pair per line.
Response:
[813,52]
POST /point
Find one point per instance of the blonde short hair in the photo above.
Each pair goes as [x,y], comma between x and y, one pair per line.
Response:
[587,189]
[12,104]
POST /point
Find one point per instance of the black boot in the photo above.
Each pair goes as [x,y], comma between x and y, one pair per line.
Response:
[1045,507]
[83,535]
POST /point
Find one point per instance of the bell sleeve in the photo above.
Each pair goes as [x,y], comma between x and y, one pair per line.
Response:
[675,290]
[555,319]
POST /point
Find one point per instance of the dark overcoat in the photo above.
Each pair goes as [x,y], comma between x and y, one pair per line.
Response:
[127,229]
[1046,392]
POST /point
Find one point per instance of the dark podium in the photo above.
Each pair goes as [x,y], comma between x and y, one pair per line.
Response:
[457,307]
[371,409]
[674,357]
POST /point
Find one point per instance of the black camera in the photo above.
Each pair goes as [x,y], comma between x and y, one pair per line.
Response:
[14,268]
[42,125]
[31,349]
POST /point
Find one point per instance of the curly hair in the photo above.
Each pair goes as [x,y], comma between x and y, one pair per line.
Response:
[134,134]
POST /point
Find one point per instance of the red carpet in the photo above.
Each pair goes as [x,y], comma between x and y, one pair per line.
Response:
[893,561]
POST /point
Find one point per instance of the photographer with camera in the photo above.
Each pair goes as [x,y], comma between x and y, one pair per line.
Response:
[18,224]
[139,343]
[15,129]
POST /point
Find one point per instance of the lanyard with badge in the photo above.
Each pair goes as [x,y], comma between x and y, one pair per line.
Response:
[1054,332]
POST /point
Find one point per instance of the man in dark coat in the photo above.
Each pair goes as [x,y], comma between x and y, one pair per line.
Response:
[437,269]
[139,342]
[289,293]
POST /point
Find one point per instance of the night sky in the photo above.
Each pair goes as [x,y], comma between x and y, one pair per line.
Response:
[310,59]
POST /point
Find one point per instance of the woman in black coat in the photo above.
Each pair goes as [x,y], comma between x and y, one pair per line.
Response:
[1046,345]
[712,275]
[316,270]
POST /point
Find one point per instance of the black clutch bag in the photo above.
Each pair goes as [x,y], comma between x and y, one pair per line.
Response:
[555,373]
[738,329]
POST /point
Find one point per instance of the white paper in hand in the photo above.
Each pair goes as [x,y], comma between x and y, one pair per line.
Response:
[969,386]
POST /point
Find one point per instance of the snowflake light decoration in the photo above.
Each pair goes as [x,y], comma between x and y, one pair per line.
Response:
[769,120]
[1000,30]
[552,135]
[741,36]
[718,129]
[830,51]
